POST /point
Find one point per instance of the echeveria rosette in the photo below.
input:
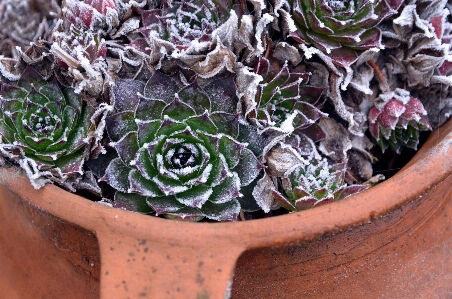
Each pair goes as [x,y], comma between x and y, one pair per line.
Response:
[177,149]
[77,44]
[340,28]
[397,123]
[313,184]
[44,123]
[285,95]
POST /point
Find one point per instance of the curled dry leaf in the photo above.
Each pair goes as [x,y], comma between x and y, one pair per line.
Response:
[336,142]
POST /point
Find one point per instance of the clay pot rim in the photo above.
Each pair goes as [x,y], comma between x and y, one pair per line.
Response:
[433,167]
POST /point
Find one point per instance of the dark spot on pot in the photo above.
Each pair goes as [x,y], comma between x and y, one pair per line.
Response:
[106,272]
[168,257]
[200,264]
[199,279]
[184,261]
[143,258]
[143,242]
[219,270]
[203,295]
[143,294]
[85,259]
[112,248]
[154,270]
[146,249]
[128,260]
[123,281]
[178,290]
[131,254]
[291,251]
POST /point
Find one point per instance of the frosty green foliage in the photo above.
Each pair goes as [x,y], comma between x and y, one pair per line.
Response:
[45,123]
[313,184]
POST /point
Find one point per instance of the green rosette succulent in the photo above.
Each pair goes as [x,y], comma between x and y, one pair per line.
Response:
[338,27]
[48,125]
[314,183]
[178,152]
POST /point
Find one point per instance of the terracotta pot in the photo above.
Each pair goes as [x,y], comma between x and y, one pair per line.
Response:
[393,240]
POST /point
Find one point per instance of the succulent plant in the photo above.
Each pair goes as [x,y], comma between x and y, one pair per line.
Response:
[184,23]
[44,123]
[77,46]
[92,14]
[397,122]
[340,28]
[282,95]
[177,149]
[205,108]
[312,184]
[443,31]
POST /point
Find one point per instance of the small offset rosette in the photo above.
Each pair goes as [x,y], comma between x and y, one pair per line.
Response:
[397,120]
[314,184]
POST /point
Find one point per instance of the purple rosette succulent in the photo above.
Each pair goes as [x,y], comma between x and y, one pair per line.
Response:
[397,123]
[178,152]
[91,14]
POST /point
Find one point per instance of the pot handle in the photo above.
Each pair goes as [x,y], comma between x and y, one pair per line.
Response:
[156,267]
